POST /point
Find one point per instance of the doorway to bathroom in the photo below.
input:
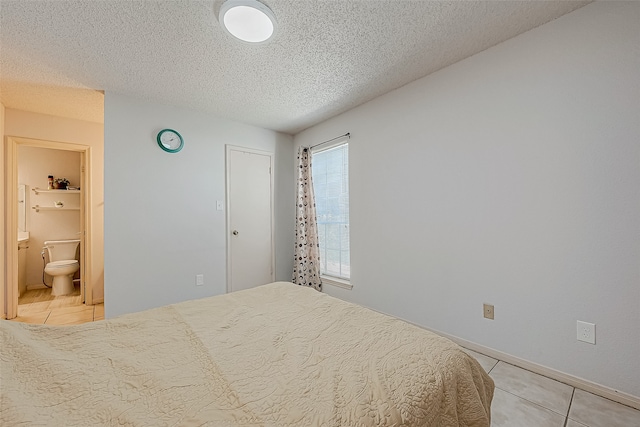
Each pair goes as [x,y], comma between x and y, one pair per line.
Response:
[51,213]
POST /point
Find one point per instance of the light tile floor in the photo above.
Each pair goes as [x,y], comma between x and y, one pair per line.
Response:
[525,399]
[39,306]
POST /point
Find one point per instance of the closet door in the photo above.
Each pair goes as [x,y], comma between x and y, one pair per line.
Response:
[250,241]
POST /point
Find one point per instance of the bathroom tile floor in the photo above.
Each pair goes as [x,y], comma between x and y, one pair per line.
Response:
[39,306]
[525,399]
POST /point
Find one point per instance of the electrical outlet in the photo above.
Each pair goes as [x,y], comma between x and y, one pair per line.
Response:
[586,332]
[199,279]
[488,311]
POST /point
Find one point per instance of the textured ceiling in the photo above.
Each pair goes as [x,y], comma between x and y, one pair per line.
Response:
[326,57]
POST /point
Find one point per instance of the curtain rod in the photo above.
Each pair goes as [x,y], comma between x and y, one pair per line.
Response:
[348,135]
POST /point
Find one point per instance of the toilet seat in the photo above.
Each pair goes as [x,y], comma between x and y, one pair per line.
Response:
[63,263]
[62,272]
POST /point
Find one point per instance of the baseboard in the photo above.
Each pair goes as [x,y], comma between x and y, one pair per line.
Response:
[581,383]
[36,286]
[586,385]
[98,301]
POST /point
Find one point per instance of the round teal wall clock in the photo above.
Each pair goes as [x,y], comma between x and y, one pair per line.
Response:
[170,140]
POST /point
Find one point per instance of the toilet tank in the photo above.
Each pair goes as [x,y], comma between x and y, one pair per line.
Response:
[62,249]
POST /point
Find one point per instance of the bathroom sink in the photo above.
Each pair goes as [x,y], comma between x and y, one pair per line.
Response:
[23,236]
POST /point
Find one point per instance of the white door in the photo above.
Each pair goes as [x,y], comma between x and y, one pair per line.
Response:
[250,218]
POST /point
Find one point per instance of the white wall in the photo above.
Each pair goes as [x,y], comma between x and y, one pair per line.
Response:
[512,178]
[34,165]
[161,223]
[50,128]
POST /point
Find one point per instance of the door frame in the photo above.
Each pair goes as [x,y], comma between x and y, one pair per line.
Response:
[271,155]
[10,283]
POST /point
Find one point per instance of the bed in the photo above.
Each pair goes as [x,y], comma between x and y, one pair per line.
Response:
[276,355]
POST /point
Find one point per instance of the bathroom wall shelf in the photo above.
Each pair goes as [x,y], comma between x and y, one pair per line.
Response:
[50,208]
[44,190]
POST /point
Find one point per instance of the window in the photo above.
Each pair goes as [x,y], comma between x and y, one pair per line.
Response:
[330,170]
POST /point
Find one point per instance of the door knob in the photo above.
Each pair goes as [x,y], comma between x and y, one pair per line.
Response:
[235,232]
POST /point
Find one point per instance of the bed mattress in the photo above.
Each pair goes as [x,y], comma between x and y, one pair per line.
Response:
[275,355]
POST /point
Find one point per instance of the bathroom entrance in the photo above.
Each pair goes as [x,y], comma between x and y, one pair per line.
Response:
[46,196]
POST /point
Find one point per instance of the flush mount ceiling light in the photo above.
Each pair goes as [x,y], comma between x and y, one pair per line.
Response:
[247,20]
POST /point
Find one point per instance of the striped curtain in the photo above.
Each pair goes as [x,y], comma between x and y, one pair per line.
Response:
[306,266]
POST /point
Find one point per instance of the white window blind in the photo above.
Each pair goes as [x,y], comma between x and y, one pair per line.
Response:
[330,171]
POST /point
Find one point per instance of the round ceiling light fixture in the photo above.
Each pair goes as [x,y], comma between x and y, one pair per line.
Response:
[247,20]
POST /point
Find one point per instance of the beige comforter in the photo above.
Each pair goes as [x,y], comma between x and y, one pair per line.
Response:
[277,355]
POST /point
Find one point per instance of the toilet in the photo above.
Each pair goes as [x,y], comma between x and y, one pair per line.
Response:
[62,265]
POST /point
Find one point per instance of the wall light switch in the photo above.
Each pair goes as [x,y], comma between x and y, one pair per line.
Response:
[199,279]
[219,205]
